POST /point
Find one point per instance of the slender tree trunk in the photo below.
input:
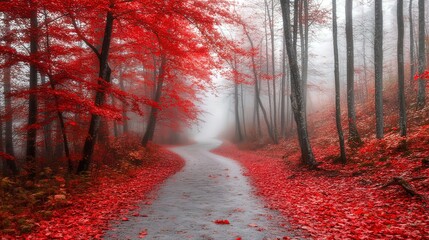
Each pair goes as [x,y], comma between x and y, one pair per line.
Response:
[401,76]
[295,25]
[257,96]
[59,113]
[124,107]
[150,129]
[303,32]
[378,65]
[242,111]
[412,60]
[365,70]
[337,84]
[4,163]
[32,103]
[283,89]
[239,135]
[354,137]
[270,108]
[421,97]
[88,148]
[296,96]
[8,131]
[273,67]
[115,124]
[47,128]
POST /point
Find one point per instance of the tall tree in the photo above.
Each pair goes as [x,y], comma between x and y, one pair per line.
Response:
[283,93]
[354,137]
[32,102]
[270,14]
[401,85]
[7,88]
[100,98]
[337,83]
[257,87]
[296,88]
[378,64]
[421,96]
[150,129]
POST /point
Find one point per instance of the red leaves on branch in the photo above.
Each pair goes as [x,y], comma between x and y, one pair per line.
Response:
[423,76]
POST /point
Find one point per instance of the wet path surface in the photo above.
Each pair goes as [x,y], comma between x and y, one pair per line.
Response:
[209,188]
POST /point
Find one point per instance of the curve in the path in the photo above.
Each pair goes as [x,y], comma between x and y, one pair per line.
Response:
[209,188]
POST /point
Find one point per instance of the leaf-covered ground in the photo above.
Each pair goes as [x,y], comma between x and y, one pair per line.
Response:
[345,201]
[85,215]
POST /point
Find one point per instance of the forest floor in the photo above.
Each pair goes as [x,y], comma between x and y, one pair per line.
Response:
[359,200]
[83,209]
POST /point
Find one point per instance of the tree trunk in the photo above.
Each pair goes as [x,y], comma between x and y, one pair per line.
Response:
[47,128]
[273,66]
[257,96]
[378,65]
[270,109]
[103,75]
[239,135]
[8,131]
[124,107]
[354,137]
[283,93]
[115,124]
[242,111]
[32,102]
[303,26]
[401,77]
[412,61]
[60,116]
[337,84]
[150,129]
[421,97]
[296,96]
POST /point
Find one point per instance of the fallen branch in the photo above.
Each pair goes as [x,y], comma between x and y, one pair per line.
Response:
[405,185]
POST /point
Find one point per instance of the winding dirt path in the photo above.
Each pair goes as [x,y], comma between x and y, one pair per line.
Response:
[209,188]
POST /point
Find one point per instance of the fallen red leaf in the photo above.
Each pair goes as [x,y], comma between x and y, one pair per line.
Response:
[221,221]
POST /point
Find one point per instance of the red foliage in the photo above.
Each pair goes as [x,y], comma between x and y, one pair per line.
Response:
[339,202]
[88,212]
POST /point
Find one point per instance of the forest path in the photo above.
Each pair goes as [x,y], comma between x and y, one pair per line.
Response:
[209,188]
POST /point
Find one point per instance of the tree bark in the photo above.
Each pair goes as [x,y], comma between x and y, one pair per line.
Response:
[243,111]
[296,95]
[47,128]
[337,84]
[238,131]
[8,130]
[401,77]
[354,137]
[378,66]
[150,129]
[124,107]
[103,75]
[412,61]
[421,96]
[32,103]
[283,93]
